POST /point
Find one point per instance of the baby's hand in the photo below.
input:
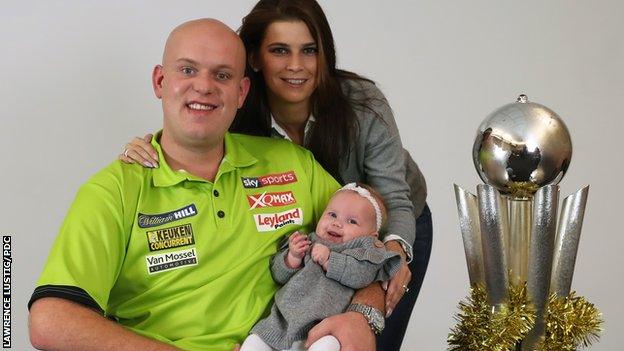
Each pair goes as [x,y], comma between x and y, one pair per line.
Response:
[298,245]
[320,255]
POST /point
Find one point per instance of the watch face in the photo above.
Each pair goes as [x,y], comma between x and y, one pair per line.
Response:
[377,320]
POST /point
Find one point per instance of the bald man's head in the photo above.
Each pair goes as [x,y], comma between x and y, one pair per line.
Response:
[210,29]
[201,82]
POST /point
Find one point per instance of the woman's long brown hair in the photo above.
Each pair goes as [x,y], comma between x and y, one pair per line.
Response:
[336,124]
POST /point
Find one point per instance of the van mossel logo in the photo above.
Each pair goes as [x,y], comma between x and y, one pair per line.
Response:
[271,199]
[269,179]
[272,221]
[154,220]
[171,260]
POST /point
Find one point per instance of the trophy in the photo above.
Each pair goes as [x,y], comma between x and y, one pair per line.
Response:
[519,251]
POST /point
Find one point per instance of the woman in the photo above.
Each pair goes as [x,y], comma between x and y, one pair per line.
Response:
[298,93]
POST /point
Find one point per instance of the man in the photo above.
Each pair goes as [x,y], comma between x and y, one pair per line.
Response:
[177,257]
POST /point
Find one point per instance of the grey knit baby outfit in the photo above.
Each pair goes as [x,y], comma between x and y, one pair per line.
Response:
[311,294]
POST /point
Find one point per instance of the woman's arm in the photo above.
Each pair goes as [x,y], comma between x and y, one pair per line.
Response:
[378,159]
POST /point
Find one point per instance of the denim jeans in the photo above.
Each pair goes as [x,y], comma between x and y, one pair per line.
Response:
[396,324]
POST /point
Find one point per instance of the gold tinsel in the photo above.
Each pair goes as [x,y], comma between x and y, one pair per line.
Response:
[571,322]
[482,327]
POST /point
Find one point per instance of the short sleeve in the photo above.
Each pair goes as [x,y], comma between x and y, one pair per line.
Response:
[89,250]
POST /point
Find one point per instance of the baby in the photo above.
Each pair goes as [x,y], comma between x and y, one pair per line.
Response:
[322,271]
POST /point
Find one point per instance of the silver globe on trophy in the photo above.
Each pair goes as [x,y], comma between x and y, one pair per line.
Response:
[512,230]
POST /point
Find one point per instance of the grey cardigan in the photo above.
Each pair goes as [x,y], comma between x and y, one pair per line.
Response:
[377,158]
[311,294]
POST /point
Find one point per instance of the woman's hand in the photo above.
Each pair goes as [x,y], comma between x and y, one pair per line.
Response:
[397,286]
[140,151]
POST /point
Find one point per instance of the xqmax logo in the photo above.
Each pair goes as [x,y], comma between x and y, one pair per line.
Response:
[270,179]
[271,199]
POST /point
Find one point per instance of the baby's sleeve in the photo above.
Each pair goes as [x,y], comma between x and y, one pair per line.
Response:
[359,267]
[279,271]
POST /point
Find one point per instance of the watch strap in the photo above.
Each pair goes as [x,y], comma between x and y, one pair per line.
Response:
[373,316]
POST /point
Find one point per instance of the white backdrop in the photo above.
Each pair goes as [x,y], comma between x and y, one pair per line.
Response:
[76,86]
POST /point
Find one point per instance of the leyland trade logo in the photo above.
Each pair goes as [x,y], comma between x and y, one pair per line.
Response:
[270,179]
[271,199]
[154,220]
[272,221]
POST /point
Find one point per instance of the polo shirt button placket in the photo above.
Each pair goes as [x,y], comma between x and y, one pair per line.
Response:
[215,194]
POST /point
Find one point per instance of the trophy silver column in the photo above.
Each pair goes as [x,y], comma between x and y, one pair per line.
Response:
[510,230]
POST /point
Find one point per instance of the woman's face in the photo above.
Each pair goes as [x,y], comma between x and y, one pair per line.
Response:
[288,60]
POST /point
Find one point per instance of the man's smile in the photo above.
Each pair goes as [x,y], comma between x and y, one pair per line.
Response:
[201,107]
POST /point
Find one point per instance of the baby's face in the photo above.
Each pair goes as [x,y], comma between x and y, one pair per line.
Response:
[347,216]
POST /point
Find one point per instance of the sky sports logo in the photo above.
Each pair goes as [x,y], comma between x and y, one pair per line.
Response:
[271,199]
[272,221]
[270,179]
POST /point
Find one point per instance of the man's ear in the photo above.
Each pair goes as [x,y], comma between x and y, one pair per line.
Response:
[157,78]
[244,89]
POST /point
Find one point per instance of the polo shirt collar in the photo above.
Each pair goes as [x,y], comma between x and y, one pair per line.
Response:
[236,156]
[278,131]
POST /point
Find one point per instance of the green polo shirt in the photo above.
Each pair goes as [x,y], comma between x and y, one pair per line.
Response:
[180,259]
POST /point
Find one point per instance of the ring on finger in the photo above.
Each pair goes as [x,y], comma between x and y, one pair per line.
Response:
[405,288]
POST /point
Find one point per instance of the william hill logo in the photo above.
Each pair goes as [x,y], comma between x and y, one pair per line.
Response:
[154,220]
[272,221]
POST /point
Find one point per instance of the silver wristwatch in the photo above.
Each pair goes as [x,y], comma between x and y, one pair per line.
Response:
[374,316]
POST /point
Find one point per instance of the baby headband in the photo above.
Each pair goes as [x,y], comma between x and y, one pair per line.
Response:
[363,192]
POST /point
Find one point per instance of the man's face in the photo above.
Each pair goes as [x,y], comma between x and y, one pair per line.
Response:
[201,83]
